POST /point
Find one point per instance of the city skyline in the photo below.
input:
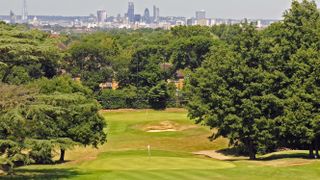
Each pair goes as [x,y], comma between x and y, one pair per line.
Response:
[263,9]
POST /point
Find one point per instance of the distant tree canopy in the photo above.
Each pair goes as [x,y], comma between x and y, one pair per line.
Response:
[261,91]
[26,55]
[190,52]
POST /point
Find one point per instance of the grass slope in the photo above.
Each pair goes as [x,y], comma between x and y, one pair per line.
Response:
[125,156]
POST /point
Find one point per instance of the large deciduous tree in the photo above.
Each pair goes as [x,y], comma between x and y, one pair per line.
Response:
[93,59]
[229,94]
[292,48]
[66,110]
[45,115]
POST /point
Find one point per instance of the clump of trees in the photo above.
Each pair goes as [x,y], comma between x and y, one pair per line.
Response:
[41,113]
[141,62]
[260,89]
[46,115]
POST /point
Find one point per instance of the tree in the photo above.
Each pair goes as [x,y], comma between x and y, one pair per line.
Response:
[66,113]
[226,33]
[190,31]
[46,115]
[26,55]
[93,59]
[291,48]
[144,68]
[13,129]
[189,53]
[229,94]
[158,96]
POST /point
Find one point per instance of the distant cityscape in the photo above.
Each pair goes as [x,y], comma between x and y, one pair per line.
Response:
[129,20]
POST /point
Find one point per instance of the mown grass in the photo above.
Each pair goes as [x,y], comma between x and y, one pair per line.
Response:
[125,156]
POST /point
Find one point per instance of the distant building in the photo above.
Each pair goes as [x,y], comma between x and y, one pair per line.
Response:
[190,22]
[259,24]
[13,18]
[130,13]
[180,23]
[156,14]
[137,18]
[146,16]
[119,18]
[201,14]
[101,16]
[203,22]
[179,80]
[24,17]
[114,85]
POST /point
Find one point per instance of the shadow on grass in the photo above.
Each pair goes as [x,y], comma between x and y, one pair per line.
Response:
[43,174]
[284,155]
[231,152]
[273,156]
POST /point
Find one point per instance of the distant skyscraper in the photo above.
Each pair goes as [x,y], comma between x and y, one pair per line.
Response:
[24,16]
[12,18]
[156,14]
[131,12]
[101,16]
[146,16]
[201,14]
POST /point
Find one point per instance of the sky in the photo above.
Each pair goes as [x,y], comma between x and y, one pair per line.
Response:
[238,9]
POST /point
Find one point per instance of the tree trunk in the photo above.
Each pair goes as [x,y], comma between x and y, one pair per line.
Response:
[316,146]
[311,155]
[62,153]
[252,153]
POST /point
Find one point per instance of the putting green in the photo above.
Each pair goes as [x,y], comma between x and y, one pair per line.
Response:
[140,160]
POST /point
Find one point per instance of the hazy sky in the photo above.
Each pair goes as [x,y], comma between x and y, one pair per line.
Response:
[239,9]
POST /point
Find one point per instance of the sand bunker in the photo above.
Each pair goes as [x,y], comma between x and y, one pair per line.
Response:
[164,130]
[219,156]
[166,126]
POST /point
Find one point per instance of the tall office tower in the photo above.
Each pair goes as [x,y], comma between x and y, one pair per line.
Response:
[13,18]
[24,16]
[201,14]
[156,14]
[101,16]
[146,16]
[131,12]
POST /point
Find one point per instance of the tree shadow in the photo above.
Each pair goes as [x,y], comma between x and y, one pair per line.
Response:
[284,155]
[232,152]
[43,174]
[61,162]
[275,156]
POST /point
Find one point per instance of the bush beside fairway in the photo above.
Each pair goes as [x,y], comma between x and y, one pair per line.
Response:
[125,156]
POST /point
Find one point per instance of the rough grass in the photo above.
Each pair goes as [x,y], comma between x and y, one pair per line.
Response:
[125,156]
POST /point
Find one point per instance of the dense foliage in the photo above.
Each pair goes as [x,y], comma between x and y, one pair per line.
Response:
[261,91]
[259,88]
[38,118]
[26,55]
